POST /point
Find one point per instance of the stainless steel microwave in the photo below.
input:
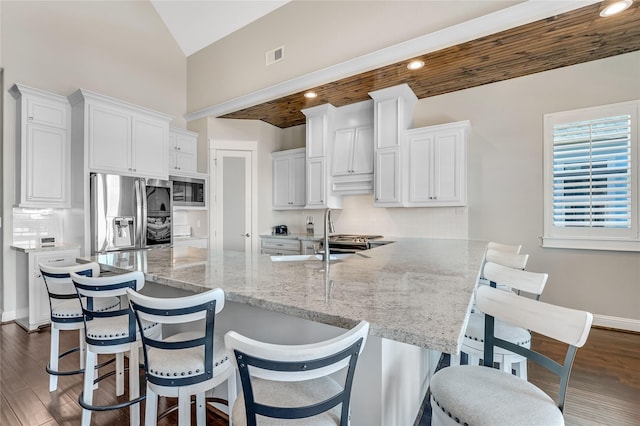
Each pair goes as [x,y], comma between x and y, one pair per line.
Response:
[188,191]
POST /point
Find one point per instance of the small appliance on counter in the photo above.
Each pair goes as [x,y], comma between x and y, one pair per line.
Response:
[280,230]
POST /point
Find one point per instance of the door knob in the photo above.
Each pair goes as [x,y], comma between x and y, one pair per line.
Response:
[245,235]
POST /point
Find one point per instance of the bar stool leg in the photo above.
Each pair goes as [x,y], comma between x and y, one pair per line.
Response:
[134,384]
[151,408]
[88,386]
[120,374]
[201,412]
[184,407]
[54,350]
[83,348]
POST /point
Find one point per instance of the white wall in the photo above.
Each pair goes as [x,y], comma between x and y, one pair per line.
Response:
[120,49]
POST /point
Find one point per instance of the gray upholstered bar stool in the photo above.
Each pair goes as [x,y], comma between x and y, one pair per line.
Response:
[190,362]
[483,395]
[111,332]
[291,384]
[66,313]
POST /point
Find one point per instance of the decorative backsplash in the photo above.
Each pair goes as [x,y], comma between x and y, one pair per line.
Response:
[29,225]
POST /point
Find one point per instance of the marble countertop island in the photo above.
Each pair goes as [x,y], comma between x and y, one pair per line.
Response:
[416,291]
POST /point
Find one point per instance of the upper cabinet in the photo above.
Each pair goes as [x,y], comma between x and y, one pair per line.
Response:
[183,151]
[436,165]
[393,115]
[289,179]
[43,148]
[320,122]
[122,138]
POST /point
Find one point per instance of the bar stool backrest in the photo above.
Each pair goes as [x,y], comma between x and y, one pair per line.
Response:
[180,310]
[60,287]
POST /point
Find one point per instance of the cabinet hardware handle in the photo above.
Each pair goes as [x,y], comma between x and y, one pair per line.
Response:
[30,118]
[55,260]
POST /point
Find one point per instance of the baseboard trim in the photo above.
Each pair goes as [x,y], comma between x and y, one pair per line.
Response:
[618,323]
[8,316]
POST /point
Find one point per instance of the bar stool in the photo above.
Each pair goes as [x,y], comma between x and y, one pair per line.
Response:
[293,381]
[187,363]
[482,395]
[111,332]
[66,313]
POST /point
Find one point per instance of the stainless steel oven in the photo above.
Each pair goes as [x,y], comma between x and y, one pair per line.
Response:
[188,191]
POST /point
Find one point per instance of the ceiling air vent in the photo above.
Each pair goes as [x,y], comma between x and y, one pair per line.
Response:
[275,55]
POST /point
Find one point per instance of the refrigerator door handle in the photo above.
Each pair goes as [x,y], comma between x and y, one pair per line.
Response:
[141,211]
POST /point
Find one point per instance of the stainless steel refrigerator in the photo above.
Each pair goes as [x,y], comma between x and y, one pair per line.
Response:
[129,213]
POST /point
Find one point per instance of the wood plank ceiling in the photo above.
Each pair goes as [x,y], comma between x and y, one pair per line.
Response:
[559,41]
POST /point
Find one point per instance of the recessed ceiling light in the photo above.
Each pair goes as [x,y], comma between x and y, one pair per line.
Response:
[615,7]
[310,95]
[415,65]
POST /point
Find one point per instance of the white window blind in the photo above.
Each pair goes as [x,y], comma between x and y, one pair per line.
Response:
[591,169]
[592,173]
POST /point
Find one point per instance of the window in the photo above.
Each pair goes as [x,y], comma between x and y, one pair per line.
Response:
[591,173]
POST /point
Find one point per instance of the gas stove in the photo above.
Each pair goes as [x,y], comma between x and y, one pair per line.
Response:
[350,243]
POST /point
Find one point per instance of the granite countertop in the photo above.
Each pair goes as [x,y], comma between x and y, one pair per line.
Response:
[417,291]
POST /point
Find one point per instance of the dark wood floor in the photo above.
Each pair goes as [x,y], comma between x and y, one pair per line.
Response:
[604,387]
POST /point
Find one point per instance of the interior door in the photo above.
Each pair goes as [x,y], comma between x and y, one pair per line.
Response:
[233,200]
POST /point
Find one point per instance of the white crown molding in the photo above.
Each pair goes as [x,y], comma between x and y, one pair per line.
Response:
[520,14]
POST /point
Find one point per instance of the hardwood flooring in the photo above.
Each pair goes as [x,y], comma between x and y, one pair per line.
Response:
[604,388]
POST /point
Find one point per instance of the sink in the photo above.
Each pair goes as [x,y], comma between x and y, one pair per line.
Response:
[305,257]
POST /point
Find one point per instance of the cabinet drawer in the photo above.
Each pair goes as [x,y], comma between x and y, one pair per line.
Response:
[55,259]
[281,244]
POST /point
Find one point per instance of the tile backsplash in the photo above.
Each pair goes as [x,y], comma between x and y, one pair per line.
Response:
[29,225]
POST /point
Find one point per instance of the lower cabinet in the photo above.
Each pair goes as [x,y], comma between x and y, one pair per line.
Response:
[280,246]
[31,291]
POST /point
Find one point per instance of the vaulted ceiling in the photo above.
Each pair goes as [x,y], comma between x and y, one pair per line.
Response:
[562,40]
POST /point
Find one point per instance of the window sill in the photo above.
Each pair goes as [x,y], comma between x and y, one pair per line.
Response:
[591,244]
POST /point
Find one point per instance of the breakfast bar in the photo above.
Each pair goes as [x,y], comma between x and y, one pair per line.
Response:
[415,293]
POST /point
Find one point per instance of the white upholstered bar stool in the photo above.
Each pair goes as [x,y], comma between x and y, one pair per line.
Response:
[187,363]
[473,336]
[532,283]
[111,332]
[291,384]
[483,395]
[66,313]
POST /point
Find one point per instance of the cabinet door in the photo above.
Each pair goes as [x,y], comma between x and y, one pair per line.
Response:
[387,123]
[421,168]
[387,179]
[46,113]
[316,182]
[281,175]
[183,152]
[297,181]
[109,139]
[316,134]
[342,163]
[47,167]
[362,157]
[448,168]
[150,143]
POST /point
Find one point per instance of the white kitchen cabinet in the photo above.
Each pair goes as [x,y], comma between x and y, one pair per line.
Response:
[393,115]
[43,148]
[309,246]
[388,178]
[318,131]
[289,179]
[122,138]
[352,162]
[183,151]
[31,292]
[280,246]
[436,165]
[353,151]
